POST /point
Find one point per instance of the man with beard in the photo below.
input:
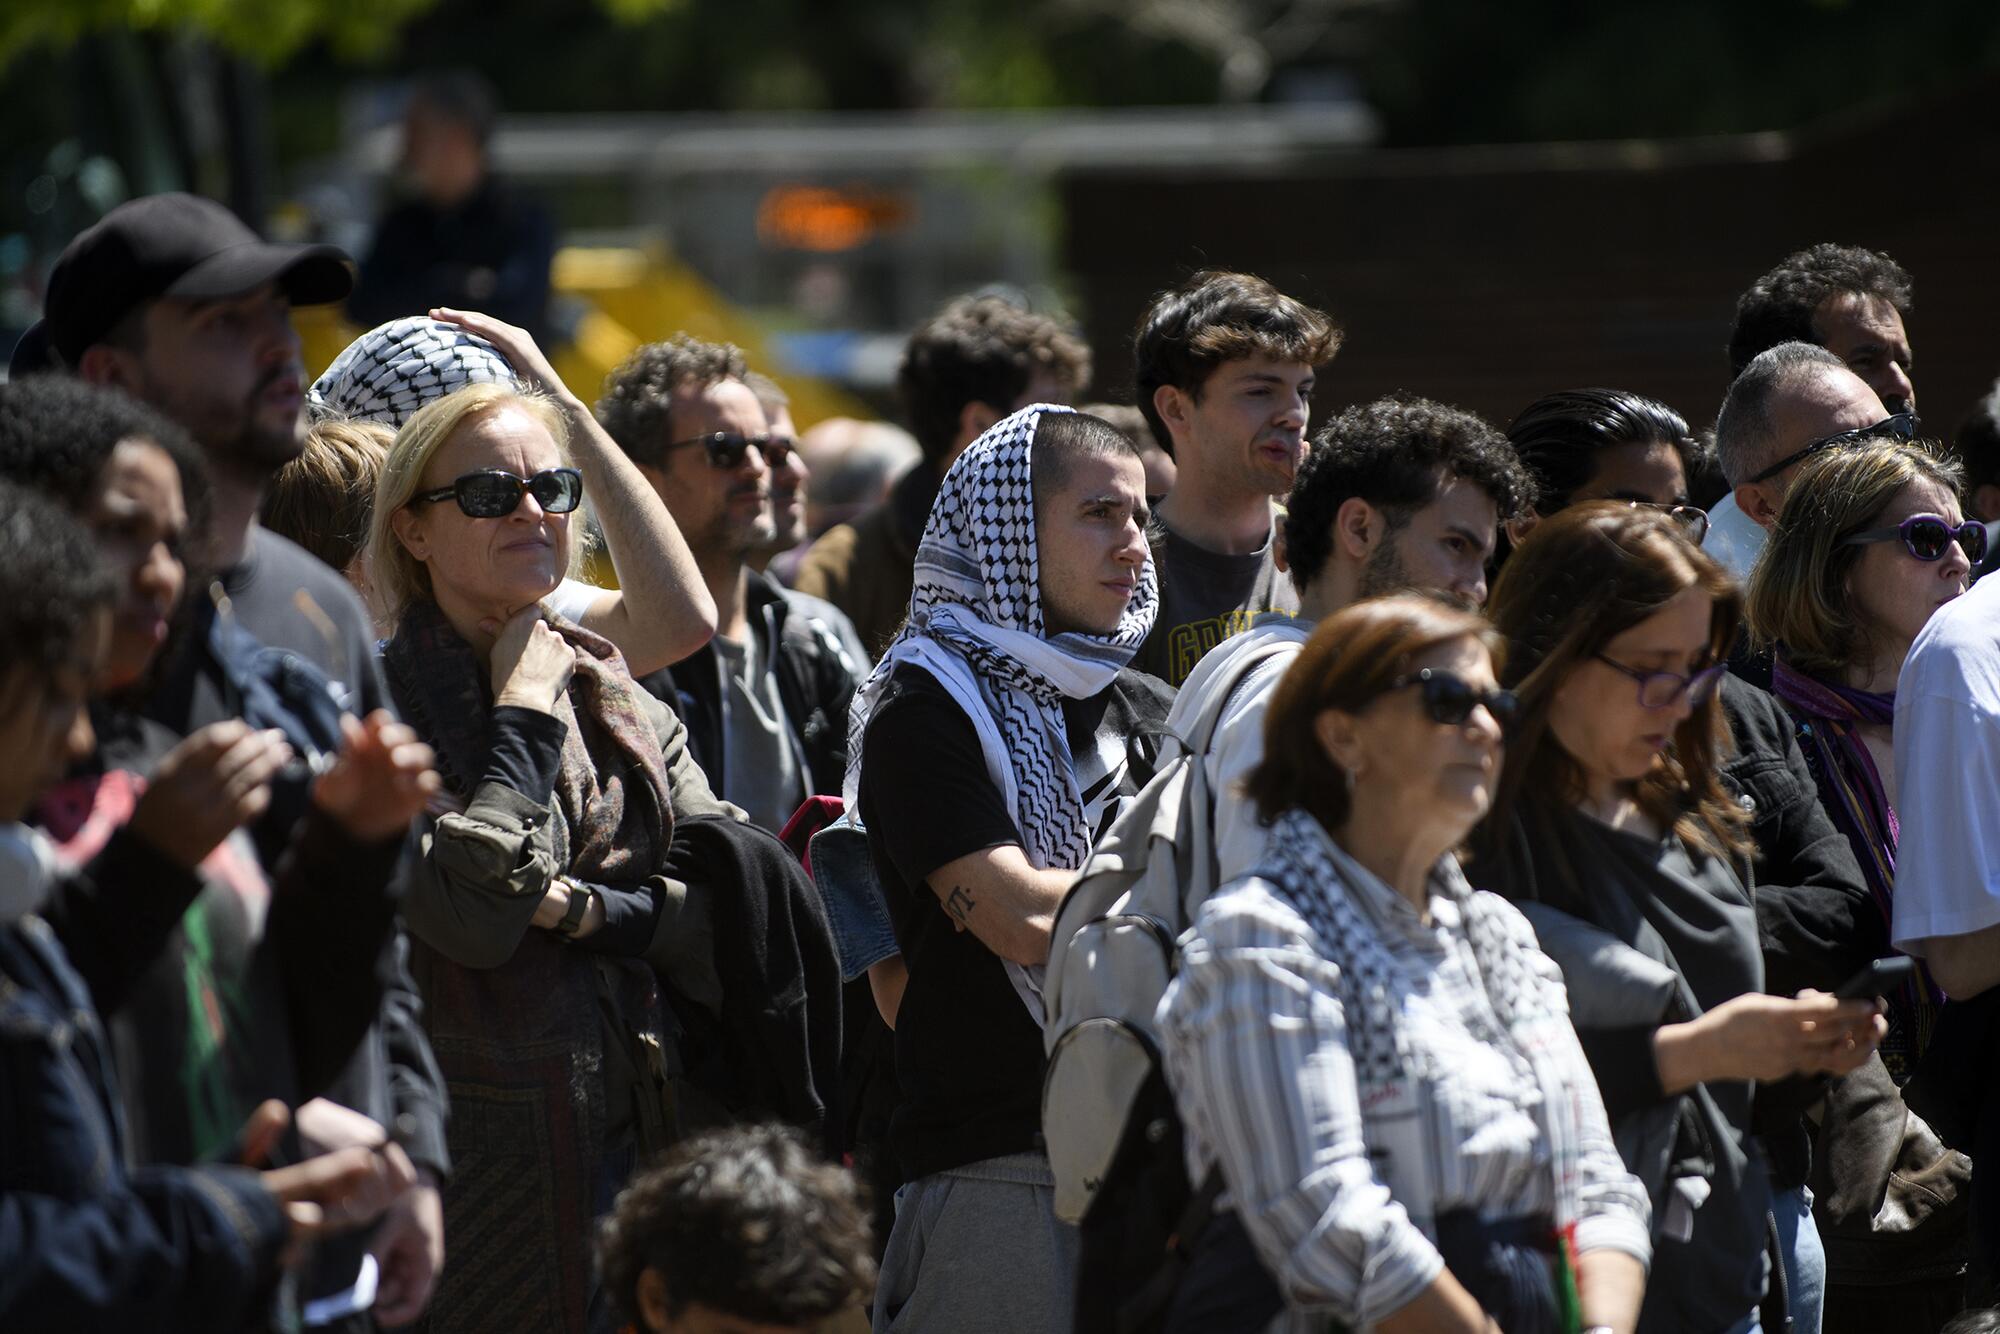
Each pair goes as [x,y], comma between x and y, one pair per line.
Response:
[1401,493]
[174,300]
[1225,365]
[765,702]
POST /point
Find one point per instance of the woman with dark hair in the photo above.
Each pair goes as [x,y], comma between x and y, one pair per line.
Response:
[1377,1059]
[1613,821]
[1870,544]
[1605,444]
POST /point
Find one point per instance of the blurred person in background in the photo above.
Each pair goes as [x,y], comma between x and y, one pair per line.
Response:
[1159,463]
[460,237]
[322,499]
[791,483]
[1225,366]
[852,466]
[1977,447]
[974,362]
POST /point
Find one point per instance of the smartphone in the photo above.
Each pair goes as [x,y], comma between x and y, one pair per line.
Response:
[1878,978]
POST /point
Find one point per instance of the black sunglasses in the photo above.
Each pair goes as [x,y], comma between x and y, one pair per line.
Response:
[1450,700]
[1928,537]
[726,449]
[494,494]
[1902,425]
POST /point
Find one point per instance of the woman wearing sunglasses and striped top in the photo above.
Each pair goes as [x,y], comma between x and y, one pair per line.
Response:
[1613,828]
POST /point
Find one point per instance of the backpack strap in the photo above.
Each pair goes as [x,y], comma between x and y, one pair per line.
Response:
[1222,691]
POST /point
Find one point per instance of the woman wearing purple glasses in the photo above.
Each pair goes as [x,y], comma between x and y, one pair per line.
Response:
[1871,542]
[1614,830]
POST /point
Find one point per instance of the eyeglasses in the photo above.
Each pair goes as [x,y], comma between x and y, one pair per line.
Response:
[1693,519]
[494,494]
[1450,700]
[1902,425]
[1929,536]
[1659,690]
[726,449]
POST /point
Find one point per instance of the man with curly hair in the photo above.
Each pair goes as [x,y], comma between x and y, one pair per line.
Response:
[1225,365]
[1850,301]
[738,1231]
[765,700]
[974,362]
[1401,493]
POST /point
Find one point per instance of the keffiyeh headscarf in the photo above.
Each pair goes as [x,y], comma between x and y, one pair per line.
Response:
[392,370]
[975,623]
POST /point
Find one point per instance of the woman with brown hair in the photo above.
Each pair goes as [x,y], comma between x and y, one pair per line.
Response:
[1613,821]
[1377,1059]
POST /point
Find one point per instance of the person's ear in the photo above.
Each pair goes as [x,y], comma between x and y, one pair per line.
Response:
[1281,555]
[1339,737]
[652,1293]
[1357,527]
[1176,409]
[412,532]
[1518,529]
[1755,501]
[113,367]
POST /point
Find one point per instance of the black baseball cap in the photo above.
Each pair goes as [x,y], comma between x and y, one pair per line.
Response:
[177,245]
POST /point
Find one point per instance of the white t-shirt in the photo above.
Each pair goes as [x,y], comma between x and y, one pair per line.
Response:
[573,599]
[1948,774]
[1734,539]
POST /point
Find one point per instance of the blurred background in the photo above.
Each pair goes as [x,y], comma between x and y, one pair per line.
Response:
[1495,199]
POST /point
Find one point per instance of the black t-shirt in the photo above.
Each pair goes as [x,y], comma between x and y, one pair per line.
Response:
[968,1053]
[1205,597]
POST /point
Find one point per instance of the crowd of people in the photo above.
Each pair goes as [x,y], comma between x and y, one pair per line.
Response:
[1154,866]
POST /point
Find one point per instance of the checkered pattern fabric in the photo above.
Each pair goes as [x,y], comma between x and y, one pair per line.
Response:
[392,370]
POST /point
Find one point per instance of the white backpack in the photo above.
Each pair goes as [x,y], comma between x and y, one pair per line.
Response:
[1113,953]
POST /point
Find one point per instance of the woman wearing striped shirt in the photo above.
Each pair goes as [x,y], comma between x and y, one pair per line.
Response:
[1379,1059]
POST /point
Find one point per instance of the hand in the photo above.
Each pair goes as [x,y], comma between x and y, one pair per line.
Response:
[553,907]
[380,780]
[531,368]
[327,1193]
[531,663]
[410,1250]
[210,784]
[1768,1037]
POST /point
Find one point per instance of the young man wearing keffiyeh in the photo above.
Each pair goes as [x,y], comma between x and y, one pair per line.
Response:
[988,747]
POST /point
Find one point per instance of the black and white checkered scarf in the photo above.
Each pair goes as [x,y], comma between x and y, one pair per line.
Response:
[975,623]
[395,368]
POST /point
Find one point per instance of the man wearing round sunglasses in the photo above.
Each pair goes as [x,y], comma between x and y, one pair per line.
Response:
[765,702]
[1791,402]
[1395,495]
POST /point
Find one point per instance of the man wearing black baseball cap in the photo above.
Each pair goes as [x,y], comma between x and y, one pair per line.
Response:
[174,300]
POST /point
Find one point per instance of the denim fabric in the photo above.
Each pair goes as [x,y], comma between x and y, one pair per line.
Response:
[1805,1257]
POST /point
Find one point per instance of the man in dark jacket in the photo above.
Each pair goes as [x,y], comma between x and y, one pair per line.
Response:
[765,701]
[462,238]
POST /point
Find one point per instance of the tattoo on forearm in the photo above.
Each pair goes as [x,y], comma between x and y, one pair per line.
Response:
[959,903]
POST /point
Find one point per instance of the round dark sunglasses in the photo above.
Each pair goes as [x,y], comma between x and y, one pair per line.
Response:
[1450,700]
[1928,537]
[726,449]
[494,494]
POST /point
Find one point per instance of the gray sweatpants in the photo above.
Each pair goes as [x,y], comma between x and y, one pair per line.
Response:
[978,1250]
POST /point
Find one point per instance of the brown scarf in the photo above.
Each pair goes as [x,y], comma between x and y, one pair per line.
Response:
[612,788]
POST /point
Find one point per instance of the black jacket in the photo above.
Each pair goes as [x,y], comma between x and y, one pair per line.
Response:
[816,681]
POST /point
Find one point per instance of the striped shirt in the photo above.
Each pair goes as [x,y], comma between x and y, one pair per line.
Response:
[1339,1179]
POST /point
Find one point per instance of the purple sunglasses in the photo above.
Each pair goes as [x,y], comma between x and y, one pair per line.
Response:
[1929,536]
